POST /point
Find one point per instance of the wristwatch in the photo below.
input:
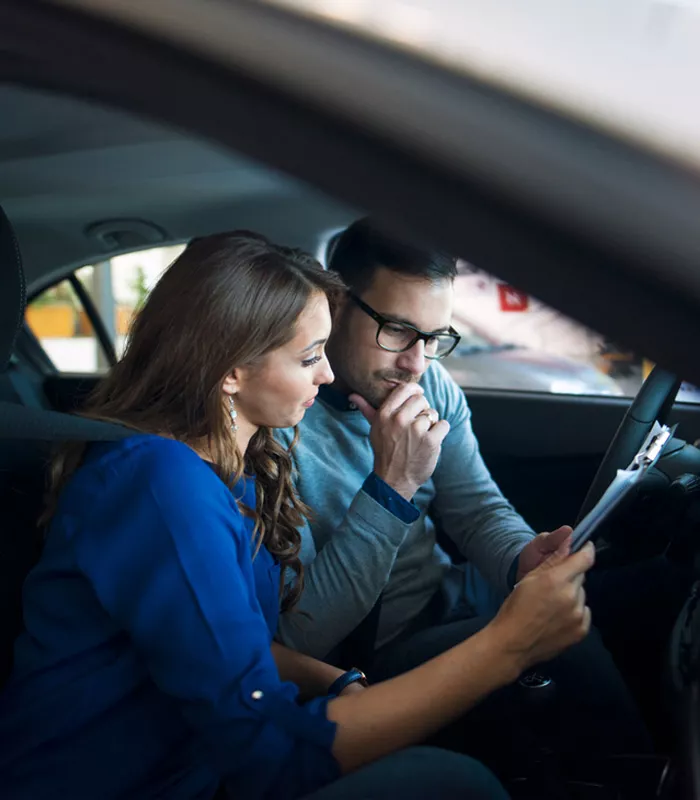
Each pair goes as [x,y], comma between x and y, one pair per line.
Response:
[353,675]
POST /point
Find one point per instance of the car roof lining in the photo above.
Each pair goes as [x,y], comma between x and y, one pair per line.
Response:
[66,164]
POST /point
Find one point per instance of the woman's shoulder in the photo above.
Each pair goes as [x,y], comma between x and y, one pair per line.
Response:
[146,476]
[149,460]
[141,447]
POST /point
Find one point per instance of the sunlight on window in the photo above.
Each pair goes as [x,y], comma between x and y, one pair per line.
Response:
[117,287]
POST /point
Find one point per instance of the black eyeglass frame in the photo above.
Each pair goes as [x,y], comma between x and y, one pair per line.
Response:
[381,321]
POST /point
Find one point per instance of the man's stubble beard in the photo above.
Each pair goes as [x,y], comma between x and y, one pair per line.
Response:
[373,388]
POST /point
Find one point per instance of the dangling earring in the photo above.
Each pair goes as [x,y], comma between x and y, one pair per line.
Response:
[232,413]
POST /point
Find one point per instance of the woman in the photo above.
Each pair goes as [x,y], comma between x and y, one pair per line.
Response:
[147,666]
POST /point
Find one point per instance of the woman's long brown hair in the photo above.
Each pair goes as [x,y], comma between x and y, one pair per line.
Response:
[227,301]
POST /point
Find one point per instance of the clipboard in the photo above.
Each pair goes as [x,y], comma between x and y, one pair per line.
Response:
[622,484]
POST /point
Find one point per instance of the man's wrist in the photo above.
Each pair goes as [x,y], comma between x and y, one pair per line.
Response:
[407,492]
[390,499]
[406,489]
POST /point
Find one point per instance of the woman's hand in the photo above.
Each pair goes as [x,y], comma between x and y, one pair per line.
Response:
[546,612]
[313,677]
[352,688]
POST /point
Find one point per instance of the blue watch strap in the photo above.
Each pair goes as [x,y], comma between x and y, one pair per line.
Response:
[351,676]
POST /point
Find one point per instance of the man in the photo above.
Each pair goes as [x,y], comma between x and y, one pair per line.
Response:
[386,455]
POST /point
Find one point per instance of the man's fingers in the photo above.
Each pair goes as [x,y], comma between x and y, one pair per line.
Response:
[422,423]
[439,430]
[565,547]
[553,560]
[435,431]
[552,541]
[398,397]
[556,542]
[577,564]
[368,411]
[410,409]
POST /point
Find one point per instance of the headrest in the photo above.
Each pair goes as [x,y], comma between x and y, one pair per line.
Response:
[13,291]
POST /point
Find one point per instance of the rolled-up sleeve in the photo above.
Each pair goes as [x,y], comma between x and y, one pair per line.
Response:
[173,568]
[388,497]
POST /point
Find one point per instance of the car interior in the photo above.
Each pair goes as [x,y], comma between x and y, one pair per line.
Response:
[83,181]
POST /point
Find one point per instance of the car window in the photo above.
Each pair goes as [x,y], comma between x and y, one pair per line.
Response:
[512,341]
[509,340]
[117,287]
[57,318]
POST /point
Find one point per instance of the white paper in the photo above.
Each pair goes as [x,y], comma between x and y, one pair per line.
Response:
[647,455]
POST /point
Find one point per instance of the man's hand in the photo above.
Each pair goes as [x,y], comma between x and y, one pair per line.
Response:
[406,437]
[543,547]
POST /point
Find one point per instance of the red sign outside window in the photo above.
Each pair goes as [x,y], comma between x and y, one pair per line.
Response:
[511,299]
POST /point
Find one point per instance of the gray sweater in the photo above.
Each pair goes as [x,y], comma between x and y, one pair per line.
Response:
[355,547]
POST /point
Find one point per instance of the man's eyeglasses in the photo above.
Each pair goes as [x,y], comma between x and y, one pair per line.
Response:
[397,337]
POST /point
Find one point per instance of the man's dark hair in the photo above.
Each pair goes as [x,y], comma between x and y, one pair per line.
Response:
[364,247]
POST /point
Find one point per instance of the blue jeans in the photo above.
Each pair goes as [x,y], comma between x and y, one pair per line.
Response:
[417,773]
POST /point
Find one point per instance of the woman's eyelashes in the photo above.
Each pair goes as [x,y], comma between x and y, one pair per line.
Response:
[309,362]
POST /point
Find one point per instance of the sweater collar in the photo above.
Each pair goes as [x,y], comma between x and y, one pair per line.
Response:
[335,399]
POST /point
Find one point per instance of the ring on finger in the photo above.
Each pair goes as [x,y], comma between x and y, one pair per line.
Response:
[431,414]
[423,416]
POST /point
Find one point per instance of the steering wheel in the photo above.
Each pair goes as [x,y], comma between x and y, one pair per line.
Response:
[652,403]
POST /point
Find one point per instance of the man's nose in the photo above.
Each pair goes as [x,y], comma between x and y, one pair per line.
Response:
[413,360]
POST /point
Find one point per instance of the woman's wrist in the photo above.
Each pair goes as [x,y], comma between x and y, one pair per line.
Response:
[507,661]
[313,677]
[352,688]
[346,679]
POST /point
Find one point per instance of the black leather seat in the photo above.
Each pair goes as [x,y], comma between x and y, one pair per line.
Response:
[12,304]
[21,463]
[28,435]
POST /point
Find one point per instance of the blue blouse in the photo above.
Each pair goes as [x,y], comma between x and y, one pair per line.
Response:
[145,667]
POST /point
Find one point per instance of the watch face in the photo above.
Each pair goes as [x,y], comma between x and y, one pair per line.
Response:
[357,676]
[534,680]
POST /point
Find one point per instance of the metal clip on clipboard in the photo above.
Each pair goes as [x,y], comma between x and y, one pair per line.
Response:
[622,484]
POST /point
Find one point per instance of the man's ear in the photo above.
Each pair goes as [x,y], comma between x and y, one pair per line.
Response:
[341,305]
[341,302]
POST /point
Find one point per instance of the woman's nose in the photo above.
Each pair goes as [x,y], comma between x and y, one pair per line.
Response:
[325,374]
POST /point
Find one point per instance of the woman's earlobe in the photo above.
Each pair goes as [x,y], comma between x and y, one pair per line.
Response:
[230,385]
